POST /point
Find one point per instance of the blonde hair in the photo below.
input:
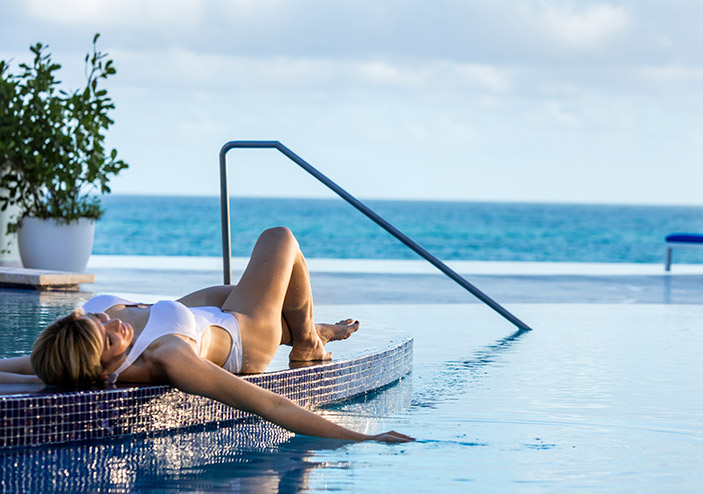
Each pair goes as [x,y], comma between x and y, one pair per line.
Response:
[68,351]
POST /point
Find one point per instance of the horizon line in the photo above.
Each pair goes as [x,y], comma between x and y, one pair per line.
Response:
[562,202]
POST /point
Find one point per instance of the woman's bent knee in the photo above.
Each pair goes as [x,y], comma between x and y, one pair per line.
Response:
[280,236]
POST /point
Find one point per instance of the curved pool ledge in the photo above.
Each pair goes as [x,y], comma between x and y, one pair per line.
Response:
[35,417]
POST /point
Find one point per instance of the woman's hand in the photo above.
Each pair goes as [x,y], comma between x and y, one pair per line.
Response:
[391,437]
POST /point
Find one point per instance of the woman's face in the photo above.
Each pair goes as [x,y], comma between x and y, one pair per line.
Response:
[117,337]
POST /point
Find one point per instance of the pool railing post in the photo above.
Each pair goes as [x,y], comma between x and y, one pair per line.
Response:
[224,216]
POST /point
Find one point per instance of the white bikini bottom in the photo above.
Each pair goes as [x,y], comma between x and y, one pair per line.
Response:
[228,322]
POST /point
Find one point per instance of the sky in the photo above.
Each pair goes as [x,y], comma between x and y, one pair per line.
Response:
[474,100]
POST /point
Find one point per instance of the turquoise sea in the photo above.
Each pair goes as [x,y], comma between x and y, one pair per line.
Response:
[330,228]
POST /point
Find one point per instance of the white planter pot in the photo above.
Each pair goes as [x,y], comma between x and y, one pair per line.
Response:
[9,254]
[47,244]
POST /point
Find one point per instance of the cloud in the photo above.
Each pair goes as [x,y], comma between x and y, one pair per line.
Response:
[228,72]
[672,74]
[585,29]
[484,75]
[153,13]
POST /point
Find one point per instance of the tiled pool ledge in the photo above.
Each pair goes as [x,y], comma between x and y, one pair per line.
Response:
[34,418]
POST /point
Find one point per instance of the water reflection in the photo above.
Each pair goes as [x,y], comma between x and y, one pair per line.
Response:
[452,377]
[255,456]
[136,464]
[488,354]
[24,313]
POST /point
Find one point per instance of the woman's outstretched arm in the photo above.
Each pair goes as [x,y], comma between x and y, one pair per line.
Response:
[192,374]
[12,378]
[17,370]
[16,365]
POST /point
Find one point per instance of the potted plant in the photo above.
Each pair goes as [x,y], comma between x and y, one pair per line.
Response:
[53,160]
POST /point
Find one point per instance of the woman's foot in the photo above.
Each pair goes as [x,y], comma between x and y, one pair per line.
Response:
[308,352]
[339,331]
[315,350]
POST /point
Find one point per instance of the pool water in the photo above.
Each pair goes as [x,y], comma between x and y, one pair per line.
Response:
[24,313]
[598,398]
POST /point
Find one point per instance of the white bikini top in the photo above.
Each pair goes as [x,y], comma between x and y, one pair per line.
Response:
[165,317]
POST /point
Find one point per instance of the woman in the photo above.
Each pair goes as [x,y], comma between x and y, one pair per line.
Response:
[187,343]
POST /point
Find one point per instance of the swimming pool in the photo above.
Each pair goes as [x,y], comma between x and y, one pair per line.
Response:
[599,397]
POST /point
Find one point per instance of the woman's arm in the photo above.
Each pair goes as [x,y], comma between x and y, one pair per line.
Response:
[192,374]
[11,378]
[16,365]
[17,370]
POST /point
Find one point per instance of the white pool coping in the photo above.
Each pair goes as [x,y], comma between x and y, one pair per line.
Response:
[42,279]
[381,266]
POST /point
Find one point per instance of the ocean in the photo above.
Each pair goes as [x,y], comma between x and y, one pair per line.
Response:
[330,228]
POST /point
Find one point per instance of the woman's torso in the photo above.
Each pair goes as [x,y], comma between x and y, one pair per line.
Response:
[164,319]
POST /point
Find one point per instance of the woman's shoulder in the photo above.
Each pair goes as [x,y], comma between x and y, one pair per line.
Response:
[101,303]
[162,353]
[170,312]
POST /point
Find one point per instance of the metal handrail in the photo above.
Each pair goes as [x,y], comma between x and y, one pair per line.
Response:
[227,242]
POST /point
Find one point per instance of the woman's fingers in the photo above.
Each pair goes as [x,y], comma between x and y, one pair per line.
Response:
[392,437]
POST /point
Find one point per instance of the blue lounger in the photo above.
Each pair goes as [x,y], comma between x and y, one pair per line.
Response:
[680,239]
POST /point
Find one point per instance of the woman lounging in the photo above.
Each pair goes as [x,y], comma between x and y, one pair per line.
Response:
[200,341]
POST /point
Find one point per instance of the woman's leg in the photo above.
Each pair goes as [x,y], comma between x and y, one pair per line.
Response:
[213,296]
[275,283]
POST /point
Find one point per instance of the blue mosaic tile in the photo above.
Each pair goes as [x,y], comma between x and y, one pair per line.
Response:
[77,416]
